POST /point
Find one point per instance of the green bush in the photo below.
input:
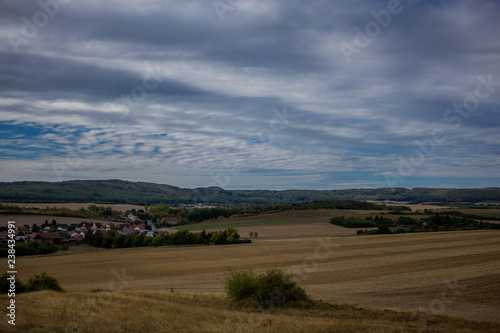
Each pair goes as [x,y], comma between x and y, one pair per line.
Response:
[43,282]
[240,285]
[274,288]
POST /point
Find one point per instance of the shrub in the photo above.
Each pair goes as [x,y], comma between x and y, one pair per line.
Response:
[240,285]
[5,284]
[274,288]
[43,282]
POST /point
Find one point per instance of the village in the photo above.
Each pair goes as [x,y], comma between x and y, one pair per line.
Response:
[74,234]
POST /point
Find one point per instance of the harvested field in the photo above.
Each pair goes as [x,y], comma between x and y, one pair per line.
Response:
[452,273]
[139,312]
[40,219]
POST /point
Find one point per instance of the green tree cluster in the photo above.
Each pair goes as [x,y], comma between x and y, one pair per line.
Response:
[274,288]
[39,282]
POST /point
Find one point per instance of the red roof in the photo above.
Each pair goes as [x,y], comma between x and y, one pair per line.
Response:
[50,235]
[23,228]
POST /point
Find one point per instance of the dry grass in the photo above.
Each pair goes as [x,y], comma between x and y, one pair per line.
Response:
[175,312]
[40,219]
[454,273]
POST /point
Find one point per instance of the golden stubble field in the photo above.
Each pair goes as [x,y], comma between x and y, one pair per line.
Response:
[451,273]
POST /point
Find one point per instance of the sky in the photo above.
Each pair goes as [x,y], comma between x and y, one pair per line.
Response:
[251,94]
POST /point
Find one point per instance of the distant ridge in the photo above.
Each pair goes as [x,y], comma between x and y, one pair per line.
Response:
[121,191]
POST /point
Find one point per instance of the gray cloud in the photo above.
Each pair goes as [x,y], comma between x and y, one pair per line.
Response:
[170,84]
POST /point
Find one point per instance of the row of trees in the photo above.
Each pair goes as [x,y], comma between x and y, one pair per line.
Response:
[181,237]
[30,249]
[437,222]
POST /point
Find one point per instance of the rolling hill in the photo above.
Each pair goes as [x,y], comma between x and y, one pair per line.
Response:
[126,192]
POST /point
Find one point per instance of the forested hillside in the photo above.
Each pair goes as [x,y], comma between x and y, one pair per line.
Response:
[119,191]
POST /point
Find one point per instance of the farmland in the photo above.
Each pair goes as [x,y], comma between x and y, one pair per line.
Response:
[443,273]
[451,273]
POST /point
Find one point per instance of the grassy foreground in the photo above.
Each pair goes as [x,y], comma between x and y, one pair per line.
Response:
[181,312]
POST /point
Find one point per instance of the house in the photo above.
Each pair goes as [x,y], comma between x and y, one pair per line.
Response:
[63,236]
[62,227]
[34,238]
[46,229]
[44,238]
[125,225]
[20,236]
[110,226]
[123,216]
[50,238]
[23,228]
[76,238]
[85,226]
[100,231]
[139,227]
[79,234]
[150,234]
[127,230]
[170,220]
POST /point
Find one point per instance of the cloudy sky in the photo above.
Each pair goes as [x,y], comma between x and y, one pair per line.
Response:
[251,94]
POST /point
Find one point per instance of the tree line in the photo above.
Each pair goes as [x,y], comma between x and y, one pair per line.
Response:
[182,237]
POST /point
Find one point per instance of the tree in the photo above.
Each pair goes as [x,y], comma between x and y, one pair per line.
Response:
[138,241]
[232,233]
[97,242]
[157,241]
[147,241]
[129,239]
[107,242]
[179,238]
[118,241]
[43,282]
